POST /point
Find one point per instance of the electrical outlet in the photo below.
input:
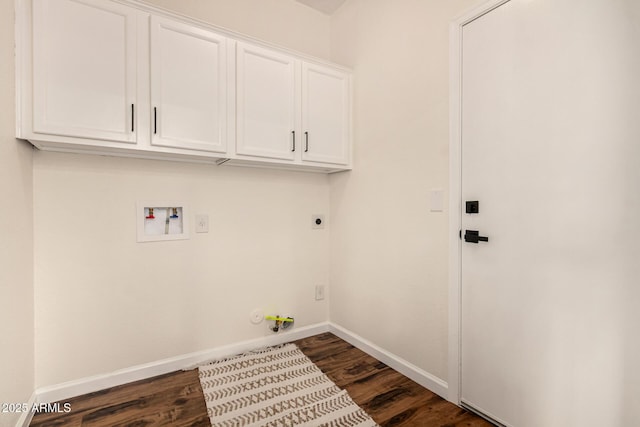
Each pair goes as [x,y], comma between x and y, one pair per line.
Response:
[317,221]
[319,292]
[202,223]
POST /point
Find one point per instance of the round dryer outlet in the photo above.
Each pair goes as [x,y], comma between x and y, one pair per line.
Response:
[257,316]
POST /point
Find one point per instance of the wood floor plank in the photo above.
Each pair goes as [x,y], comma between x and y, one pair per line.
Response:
[176,399]
[389,397]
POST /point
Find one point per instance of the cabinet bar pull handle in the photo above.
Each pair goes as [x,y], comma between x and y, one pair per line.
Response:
[306,139]
[155,120]
[133,118]
[293,132]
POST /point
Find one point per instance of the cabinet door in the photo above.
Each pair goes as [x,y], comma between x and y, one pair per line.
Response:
[188,87]
[325,114]
[84,69]
[266,103]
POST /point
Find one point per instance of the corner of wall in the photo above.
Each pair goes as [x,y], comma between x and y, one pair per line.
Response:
[16,253]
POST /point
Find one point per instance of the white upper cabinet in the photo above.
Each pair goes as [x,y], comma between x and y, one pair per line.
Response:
[325,114]
[293,110]
[84,69]
[188,87]
[124,78]
[266,103]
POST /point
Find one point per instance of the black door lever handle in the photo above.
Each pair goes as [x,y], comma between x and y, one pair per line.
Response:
[473,236]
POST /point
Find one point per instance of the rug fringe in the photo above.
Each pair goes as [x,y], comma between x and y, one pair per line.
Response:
[246,353]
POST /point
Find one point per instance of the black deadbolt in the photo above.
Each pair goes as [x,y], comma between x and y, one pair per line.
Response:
[473,207]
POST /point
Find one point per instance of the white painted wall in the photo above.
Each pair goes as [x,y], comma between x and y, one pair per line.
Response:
[283,22]
[16,249]
[389,253]
[104,302]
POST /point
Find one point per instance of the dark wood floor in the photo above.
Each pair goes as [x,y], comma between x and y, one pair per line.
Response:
[176,399]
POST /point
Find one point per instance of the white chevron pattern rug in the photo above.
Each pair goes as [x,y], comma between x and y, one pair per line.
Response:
[276,387]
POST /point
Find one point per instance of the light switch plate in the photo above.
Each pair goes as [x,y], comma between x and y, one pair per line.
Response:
[202,223]
[437,200]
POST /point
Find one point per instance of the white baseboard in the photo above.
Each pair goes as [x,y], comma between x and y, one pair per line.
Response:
[422,377]
[94,383]
[25,418]
[66,390]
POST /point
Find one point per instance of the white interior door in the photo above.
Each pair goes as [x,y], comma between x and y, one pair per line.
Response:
[551,151]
